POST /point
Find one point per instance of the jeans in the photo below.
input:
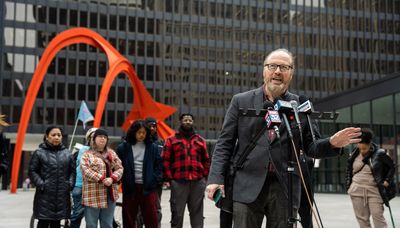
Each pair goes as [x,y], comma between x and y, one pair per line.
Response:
[105,215]
[77,209]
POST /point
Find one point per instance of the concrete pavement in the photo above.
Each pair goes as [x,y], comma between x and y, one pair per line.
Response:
[335,210]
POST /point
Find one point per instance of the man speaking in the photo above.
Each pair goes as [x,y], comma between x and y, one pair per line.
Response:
[260,185]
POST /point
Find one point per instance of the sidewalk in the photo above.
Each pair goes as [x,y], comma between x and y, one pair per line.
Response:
[335,209]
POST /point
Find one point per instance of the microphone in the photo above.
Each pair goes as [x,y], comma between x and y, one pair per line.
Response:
[273,121]
[305,105]
[284,107]
[307,108]
[268,104]
[297,118]
[294,105]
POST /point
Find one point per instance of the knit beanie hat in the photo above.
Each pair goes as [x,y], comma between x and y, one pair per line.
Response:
[150,121]
[100,131]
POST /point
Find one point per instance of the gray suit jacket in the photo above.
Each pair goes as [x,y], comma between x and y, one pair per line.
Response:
[238,131]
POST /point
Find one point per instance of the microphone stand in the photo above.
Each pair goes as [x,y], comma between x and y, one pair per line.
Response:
[290,169]
[309,174]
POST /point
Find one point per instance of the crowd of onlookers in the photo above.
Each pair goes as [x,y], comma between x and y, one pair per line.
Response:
[140,167]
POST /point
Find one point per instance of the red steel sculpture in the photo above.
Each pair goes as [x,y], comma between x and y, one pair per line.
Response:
[143,104]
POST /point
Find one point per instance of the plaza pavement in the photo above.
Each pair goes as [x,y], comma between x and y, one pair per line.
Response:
[335,210]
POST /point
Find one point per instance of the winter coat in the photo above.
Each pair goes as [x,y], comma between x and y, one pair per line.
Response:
[152,168]
[52,171]
[95,168]
[381,165]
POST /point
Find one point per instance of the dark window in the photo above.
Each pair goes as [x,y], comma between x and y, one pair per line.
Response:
[91,92]
[16,114]
[103,21]
[102,69]
[83,19]
[113,22]
[50,90]
[60,116]
[61,91]
[150,26]
[70,116]
[53,15]
[61,66]
[132,24]
[122,23]
[92,68]
[73,18]
[149,72]
[140,48]
[140,71]
[93,20]
[71,66]
[49,115]
[110,118]
[121,94]
[63,17]
[71,91]
[141,25]
[111,94]
[81,92]
[168,6]
[82,67]
[120,118]
[39,116]
[6,90]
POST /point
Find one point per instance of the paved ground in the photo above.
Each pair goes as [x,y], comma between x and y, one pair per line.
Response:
[335,209]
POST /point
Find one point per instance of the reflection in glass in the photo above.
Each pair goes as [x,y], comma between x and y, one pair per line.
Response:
[361,113]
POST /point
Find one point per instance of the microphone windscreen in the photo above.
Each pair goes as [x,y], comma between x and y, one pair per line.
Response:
[302,99]
[267,104]
[277,99]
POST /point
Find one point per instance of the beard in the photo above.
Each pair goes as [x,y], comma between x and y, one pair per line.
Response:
[276,90]
[187,128]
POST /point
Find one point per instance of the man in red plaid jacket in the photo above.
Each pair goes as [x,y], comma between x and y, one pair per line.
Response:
[186,166]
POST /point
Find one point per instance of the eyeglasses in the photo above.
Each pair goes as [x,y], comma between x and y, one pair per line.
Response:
[273,67]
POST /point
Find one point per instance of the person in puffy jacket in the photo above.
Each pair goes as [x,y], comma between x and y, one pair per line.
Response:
[369,172]
[52,171]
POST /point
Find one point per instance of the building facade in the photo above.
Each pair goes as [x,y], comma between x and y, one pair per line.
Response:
[191,54]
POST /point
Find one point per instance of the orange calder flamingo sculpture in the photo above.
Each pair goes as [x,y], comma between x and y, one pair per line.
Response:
[143,104]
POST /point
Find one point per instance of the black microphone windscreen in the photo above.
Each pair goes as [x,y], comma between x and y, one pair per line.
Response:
[267,104]
[302,99]
[277,99]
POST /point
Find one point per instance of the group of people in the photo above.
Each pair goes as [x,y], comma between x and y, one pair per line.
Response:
[143,163]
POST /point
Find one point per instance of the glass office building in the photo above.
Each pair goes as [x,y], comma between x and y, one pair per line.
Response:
[194,54]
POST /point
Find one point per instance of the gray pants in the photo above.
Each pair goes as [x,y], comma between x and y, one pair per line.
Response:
[365,207]
[192,194]
[271,202]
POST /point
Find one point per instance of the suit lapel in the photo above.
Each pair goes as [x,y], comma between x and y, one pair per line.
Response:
[259,98]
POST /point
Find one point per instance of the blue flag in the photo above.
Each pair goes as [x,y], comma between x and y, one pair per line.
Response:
[84,114]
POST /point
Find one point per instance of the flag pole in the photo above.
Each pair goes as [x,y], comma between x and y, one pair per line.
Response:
[73,134]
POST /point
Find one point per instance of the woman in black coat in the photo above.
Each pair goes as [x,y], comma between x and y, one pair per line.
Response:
[52,171]
[369,172]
